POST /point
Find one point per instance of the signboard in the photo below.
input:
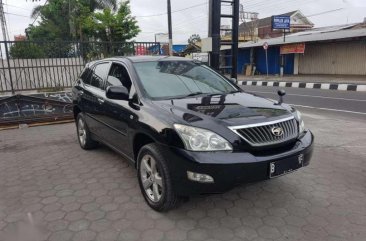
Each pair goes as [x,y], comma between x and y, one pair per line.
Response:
[293,48]
[206,45]
[202,57]
[281,22]
[265,46]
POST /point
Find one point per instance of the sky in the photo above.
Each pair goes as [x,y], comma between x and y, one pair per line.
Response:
[191,16]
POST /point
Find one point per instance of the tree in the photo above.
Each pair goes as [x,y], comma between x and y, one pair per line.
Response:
[24,50]
[62,19]
[112,26]
[52,25]
[194,39]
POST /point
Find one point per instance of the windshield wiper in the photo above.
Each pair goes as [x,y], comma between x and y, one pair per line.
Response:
[191,94]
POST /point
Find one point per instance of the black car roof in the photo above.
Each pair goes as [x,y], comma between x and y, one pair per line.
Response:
[148,58]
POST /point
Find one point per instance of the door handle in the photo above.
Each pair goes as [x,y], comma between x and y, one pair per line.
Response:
[100,100]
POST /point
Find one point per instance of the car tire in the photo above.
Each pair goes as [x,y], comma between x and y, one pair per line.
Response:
[157,187]
[84,136]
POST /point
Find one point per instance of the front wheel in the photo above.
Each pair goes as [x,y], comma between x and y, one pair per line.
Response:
[154,179]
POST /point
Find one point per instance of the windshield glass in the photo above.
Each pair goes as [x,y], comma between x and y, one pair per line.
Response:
[173,79]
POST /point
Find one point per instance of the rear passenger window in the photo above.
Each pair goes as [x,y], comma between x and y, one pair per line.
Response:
[99,74]
[85,76]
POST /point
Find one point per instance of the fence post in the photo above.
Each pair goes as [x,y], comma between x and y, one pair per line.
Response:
[9,69]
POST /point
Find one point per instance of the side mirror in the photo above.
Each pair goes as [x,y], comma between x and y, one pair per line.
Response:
[117,93]
[281,94]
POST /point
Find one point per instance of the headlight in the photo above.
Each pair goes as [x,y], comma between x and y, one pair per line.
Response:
[197,139]
[301,122]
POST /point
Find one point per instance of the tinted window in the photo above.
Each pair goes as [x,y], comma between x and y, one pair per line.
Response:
[99,73]
[85,76]
[119,76]
[169,79]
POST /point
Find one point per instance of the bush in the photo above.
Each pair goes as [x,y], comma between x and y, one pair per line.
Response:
[25,50]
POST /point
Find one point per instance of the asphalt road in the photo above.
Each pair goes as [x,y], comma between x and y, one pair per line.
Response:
[341,103]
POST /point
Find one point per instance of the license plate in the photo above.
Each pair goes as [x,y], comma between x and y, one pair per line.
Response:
[285,166]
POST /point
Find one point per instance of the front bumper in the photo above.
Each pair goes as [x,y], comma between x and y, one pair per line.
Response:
[229,168]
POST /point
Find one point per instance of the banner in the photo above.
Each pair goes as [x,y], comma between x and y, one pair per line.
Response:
[293,48]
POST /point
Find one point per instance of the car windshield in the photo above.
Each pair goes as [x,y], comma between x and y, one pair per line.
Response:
[167,79]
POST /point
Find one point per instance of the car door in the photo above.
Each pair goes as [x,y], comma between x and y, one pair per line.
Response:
[93,97]
[118,113]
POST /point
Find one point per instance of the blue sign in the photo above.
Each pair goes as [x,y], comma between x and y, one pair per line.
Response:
[281,22]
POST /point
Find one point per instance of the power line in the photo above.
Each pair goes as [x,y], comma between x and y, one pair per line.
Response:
[321,13]
[179,10]
[264,6]
[9,5]
[19,15]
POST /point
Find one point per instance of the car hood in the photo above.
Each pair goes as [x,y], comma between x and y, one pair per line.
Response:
[231,109]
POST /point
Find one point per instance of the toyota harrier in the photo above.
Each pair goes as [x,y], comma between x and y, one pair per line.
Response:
[187,129]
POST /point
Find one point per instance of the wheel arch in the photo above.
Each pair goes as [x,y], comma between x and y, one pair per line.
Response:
[140,139]
[76,110]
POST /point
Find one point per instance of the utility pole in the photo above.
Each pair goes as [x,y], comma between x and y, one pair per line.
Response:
[214,28]
[4,28]
[170,28]
[214,32]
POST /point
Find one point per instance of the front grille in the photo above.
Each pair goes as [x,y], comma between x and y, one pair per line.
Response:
[261,134]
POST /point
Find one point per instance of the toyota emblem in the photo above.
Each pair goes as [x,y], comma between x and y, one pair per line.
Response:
[277,131]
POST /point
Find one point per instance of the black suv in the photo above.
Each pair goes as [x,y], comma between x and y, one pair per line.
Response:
[187,129]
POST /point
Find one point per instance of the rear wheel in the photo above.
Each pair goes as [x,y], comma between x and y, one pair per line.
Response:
[84,135]
[154,179]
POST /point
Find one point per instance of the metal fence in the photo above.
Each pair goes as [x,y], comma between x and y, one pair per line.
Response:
[29,65]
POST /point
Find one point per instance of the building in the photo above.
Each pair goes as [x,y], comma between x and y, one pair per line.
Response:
[262,28]
[335,50]
[20,37]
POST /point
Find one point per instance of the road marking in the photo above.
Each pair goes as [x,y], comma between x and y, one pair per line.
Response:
[320,108]
[342,86]
[316,96]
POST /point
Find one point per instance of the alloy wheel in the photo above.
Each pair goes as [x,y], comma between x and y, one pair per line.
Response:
[82,131]
[151,179]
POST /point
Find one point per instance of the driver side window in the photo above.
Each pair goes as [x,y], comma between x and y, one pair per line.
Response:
[118,76]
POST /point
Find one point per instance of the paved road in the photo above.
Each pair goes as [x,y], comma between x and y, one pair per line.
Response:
[50,189]
[343,102]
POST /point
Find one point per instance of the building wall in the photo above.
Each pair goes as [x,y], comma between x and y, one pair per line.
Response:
[243,59]
[339,58]
[273,60]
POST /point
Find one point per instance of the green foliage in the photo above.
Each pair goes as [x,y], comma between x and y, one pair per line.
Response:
[53,25]
[64,19]
[33,50]
[112,26]
[24,50]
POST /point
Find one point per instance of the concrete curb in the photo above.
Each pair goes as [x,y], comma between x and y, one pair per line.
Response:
[323,86]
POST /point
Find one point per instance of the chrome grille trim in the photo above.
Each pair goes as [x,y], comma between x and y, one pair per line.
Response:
[260,134]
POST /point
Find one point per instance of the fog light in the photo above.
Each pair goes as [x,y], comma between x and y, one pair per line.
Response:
[198,177]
